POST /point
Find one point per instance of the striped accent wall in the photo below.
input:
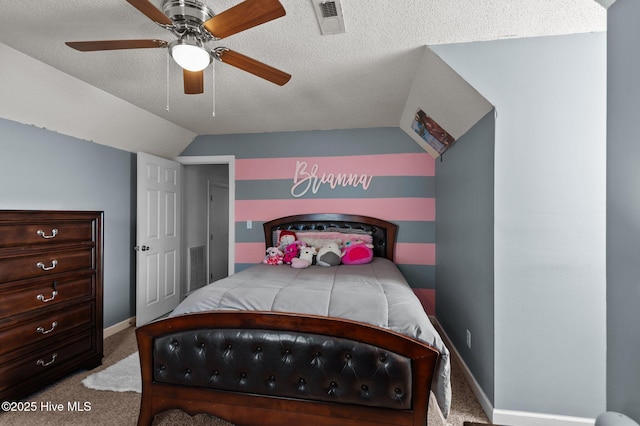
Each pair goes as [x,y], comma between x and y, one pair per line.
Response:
[375,172]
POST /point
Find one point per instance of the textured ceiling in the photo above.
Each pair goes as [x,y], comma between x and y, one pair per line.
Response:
[358,79]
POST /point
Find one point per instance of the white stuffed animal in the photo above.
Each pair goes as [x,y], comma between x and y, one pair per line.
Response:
[305,258]
[329,255]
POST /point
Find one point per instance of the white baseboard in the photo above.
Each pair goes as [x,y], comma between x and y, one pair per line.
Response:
[116,328]
[507,417]
[525,418]
[484,401]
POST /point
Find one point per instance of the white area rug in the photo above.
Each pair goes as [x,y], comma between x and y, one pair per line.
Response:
[123,376]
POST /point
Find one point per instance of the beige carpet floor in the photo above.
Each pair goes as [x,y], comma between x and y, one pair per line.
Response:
[121,408]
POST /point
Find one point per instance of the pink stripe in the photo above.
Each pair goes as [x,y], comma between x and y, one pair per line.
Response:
[415,254]
[411,164]
[427,298]
[250,252]
[422,209]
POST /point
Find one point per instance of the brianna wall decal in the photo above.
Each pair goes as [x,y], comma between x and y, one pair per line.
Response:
[310,180]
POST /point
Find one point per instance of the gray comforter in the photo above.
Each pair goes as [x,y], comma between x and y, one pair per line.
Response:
[375,293]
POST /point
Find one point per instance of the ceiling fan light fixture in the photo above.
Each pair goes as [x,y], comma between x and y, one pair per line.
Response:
[189,54]
[194,25]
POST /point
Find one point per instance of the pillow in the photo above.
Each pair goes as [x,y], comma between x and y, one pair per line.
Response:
[319,239]
[347,231]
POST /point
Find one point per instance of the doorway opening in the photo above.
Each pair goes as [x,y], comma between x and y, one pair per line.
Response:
[208,219]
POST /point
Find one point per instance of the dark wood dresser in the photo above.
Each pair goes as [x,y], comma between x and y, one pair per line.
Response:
[50,297]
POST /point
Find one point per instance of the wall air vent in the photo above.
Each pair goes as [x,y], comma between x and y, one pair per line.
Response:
[328,9]
[329,14]
[197,267]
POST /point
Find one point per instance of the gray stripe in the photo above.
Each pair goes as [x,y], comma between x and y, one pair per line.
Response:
[253,235]
[408,232]
[243,266]
[325,143]
[416,232]
[381,187]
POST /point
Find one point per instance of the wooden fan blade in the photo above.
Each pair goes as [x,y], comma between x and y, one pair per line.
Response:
[193,82]
[254,67]
[152,12]
[243,16]
[89,46]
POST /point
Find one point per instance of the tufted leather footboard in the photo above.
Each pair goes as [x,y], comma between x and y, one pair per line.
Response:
[258,368]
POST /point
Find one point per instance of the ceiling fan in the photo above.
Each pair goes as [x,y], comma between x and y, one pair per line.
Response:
[194,25]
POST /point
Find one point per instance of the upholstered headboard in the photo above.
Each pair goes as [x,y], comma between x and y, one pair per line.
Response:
[383,232]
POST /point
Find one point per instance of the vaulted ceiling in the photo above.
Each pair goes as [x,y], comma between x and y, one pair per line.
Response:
[356,79]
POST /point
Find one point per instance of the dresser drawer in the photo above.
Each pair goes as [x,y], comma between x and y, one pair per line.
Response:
[25,296]
[38,329]
[45,232]
[46,362]
[51,300]
[45,264]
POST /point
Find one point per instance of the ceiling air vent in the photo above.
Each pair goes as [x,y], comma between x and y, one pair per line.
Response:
[329,14]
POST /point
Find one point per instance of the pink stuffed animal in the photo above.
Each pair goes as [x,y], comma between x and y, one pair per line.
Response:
[291,251]
[357,252]
[274,256]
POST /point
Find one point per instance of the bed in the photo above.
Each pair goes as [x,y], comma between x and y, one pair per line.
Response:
[271,345]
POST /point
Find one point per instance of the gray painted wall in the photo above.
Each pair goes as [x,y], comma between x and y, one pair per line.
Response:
[464,238]
[40,169]
[550,284]
[623,210]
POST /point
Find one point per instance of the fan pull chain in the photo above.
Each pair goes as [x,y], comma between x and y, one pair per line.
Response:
[213,88]
[167,82]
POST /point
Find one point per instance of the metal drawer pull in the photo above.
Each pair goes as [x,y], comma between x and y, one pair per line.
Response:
[43,331]
[45,268]
[54,232]
[53,296]
[44,364]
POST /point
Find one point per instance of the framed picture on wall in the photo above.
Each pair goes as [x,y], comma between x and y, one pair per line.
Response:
[431,132]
